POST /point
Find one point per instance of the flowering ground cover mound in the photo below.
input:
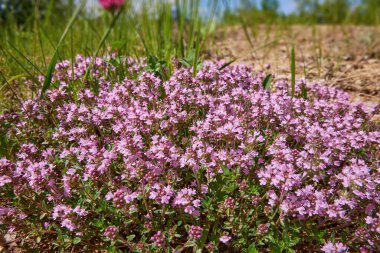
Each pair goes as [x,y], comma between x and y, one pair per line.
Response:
[213,162]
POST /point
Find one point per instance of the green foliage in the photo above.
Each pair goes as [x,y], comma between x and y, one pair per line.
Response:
[293,70]
[158,67]
[50,35]
[270,5]
[192,61]
[309,12]
[267,82]
[21,11]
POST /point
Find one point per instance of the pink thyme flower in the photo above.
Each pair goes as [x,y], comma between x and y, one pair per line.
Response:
[262,229]
[338,247]
[111,4]
[195,232]
[225,239]
[144,137]
[111,232]
[229,203]
[158,239]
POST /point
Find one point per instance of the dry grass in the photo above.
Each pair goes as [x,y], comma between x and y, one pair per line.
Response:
[347,57]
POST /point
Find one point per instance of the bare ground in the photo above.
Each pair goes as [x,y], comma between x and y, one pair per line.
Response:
[347,57]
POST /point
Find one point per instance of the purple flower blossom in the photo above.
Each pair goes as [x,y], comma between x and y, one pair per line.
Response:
[162,194]
[338,247]
[5,180]
[225,239]
[195,232]
[262,229]
[69,217]
[67,223]
[229,203]
[158,239]
[111,232]
[186,199]
[154,151]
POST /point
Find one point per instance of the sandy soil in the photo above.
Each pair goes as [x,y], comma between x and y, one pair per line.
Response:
[347,57]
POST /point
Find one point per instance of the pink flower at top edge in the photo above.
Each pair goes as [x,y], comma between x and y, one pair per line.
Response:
[112,4]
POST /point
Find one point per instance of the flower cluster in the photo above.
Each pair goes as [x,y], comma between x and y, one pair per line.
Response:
[158,239]
[330,247]
[156,157]
[185,199]
[68,216]
[111,232]
[195,232]
[162,194]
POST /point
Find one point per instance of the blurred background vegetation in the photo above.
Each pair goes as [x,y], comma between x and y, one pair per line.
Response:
[355,12]
[363,12]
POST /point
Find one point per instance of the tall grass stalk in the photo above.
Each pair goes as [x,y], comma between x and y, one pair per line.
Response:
[103,40]
[53,61]
[293,70]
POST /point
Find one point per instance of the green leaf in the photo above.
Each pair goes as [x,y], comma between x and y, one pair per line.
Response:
[293,71]
[190,244]
[192,61]
[226,171]
[118,44]
[77,240]
[185,62]
[304,91]
[49,74]
[3,143]
[42,216]
[152,61]
[230,188]
[49,11]
[252,249]
[67,239]
[130,238]
[267,82]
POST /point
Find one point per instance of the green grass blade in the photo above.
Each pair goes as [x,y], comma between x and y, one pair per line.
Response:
[53,62]
[20,64]
[266,45]
[267,82]
[49,74]
[304,91]
[225,65]
[13,91]
[180,21]
[49,11]
[293,70]
[3,143]
[102,41]
[26,58]
[245,29]
[13,78]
